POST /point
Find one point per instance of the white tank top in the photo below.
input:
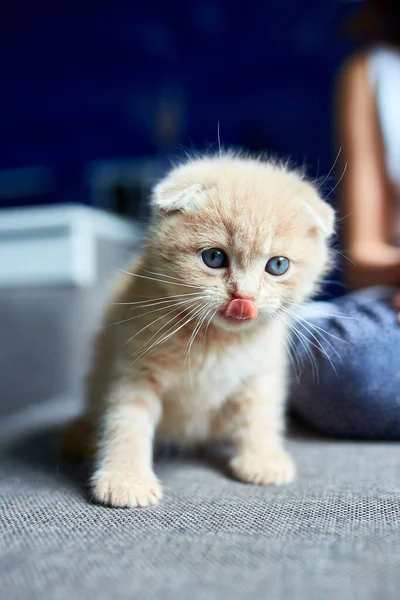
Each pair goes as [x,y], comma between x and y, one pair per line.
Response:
[384,71]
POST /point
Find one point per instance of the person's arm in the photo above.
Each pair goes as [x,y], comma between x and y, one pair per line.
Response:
[365,191]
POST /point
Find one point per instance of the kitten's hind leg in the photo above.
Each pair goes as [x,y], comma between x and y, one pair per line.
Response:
[257,432]
[77,440]
[123,475]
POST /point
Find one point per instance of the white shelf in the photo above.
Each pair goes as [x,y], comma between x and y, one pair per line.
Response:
[56,245]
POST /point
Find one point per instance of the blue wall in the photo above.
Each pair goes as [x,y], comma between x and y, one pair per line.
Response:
[87,80]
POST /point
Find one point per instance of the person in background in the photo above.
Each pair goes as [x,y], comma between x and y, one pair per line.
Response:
[351,387]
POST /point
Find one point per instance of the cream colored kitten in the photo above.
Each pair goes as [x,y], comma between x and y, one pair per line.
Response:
[199,349]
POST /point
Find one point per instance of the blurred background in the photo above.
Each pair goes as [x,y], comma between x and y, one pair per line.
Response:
[96,99]
[96,94]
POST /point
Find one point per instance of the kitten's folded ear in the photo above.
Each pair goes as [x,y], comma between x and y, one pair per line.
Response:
[322,213]
[172,196]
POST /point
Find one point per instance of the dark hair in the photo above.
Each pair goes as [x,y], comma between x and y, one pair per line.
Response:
[376,21]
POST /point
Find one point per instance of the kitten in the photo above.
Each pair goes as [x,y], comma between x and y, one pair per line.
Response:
[193,343]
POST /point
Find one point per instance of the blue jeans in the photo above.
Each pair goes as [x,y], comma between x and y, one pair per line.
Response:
[346,378]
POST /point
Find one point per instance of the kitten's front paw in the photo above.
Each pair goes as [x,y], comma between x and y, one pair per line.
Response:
[122,490]
[274,468]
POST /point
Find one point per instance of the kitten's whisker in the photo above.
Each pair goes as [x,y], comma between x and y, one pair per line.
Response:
[175,304]
[317,175]
[143,303]
[301,322]
[334,281]
[173,331]
[331,169]
[345,217]
[204,319]
[170,277]
[318,346]
[294,359]
[192,336]
[316,327]
[167,303]
[159,280]
[302,338]
[197,328]
[200,321]
[318,310]
[323,331]
[150,324]
[167,336]
[292,362]
[332,315]
[297,362]
[344,256]
[209,321]
[147,343]
[213,313]
[185,153]
[308,352]
[337,183]
[266,317]
[320,330]
[193,314]
[219,140]
[323,350]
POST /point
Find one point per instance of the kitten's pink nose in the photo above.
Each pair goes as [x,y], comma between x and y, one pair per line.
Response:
[241,309]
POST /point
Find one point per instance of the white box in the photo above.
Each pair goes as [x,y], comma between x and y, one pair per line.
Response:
[56,264]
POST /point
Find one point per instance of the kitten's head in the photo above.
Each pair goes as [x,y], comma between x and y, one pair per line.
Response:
[232,228]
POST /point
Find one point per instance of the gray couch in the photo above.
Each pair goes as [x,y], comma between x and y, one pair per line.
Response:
[334,533]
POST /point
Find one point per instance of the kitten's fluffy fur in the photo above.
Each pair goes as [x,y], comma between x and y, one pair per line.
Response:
[159,371]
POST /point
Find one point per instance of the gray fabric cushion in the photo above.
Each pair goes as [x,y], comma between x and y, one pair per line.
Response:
[335,533]
[47,332]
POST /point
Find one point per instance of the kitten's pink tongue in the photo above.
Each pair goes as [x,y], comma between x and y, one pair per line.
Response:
[241,309]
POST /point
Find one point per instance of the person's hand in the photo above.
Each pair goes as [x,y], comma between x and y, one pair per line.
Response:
[396,304]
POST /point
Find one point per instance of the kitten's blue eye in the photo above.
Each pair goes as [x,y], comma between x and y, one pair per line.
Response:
[277,265]
[215,258]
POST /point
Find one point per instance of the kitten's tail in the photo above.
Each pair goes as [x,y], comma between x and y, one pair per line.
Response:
[77,442]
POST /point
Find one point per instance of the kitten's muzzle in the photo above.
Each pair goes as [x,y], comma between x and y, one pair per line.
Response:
[241,309]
